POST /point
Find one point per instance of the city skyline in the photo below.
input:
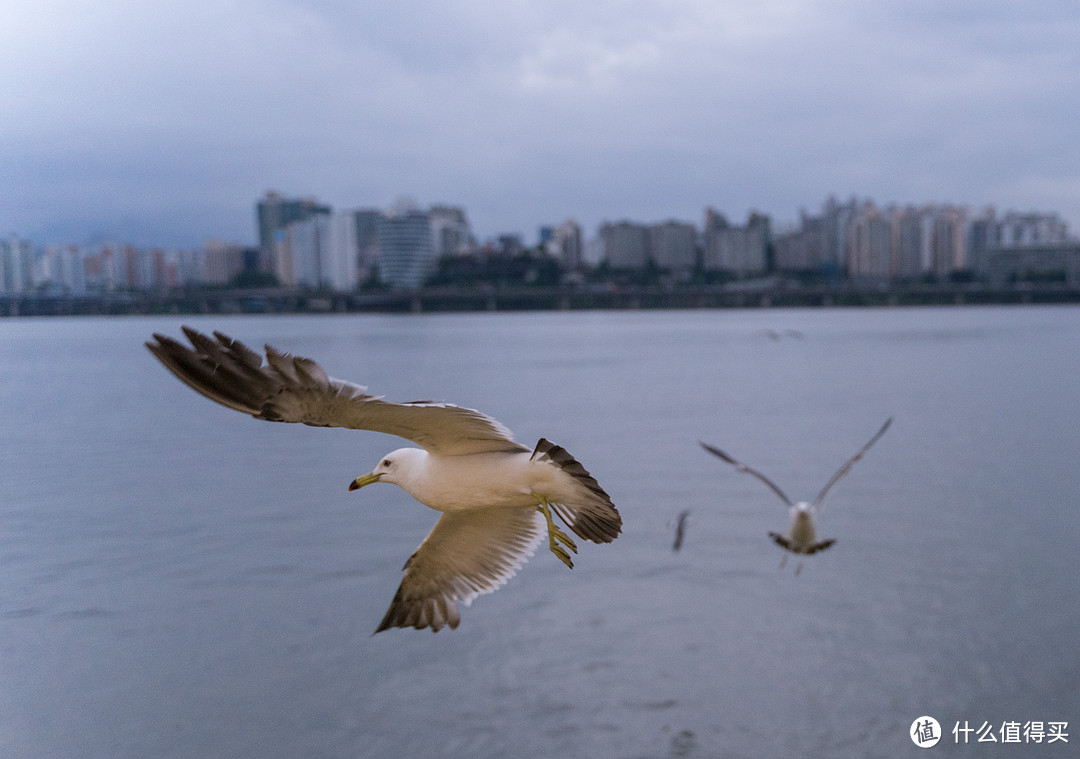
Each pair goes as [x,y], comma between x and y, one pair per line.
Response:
[308,244]
[532,235]
[156,123]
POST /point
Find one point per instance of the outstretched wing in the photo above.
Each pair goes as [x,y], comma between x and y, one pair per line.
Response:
[680,529]
[744,468]
[295,389]
[785,542]
[468,554]
[848,464]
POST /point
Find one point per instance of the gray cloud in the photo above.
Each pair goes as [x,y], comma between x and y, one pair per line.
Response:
[166,120]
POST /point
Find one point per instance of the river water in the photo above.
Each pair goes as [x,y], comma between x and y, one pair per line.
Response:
[179,580]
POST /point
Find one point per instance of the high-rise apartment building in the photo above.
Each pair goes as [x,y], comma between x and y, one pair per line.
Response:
[320,252]
[406,251]
[673,246]
[450,232]
[905,242]
[367,241]
[804,249]
[567,246]
[836,217]
[626,245]
[275,212]
[868,237]
[222,261]
[339,256]
[16,265]
[948,241]
[742,251]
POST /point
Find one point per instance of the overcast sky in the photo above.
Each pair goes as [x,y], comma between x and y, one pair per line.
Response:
[163,122]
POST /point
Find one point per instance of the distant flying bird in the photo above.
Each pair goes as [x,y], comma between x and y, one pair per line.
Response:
[495,494]
[680,529]
[777,335]
[802,537]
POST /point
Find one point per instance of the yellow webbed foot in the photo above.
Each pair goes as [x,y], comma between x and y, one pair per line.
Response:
[556,536]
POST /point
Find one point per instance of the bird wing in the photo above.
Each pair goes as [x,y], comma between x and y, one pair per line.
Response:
[848,464]
[680,529]
[744,468]
[291,388]
[468,554]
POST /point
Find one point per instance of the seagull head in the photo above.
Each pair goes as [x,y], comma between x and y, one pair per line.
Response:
[394,468]
[802,512]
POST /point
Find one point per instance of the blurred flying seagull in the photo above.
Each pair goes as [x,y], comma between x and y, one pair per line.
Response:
[802,538]
[495,494]
[680,529]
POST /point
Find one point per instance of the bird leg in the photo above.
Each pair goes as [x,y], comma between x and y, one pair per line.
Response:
[555,535]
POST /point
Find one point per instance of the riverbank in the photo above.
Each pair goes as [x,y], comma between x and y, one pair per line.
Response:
[283,300]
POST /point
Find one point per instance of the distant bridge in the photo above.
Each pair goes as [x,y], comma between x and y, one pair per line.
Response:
[735,295]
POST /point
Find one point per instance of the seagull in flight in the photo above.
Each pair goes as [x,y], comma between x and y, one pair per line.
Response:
[496,496]
[802,537]
[680,529]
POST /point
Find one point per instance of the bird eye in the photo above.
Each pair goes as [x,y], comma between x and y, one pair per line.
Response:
[386,463]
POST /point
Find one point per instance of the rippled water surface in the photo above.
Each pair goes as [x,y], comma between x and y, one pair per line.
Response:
[179,580]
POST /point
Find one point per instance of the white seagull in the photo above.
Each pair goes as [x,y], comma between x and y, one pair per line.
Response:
[490,489]
[802,538]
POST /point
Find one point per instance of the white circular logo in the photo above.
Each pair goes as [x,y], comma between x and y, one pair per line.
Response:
[925,732]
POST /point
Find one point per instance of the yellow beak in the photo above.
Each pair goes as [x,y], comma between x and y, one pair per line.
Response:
[365,479]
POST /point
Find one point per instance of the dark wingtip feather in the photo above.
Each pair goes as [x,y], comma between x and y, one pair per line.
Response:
[717,452]
[590,523]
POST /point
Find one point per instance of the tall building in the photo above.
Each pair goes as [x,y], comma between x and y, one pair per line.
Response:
[339,256]
[905,242]
[406,252]
[110,268]
[982,233]
[566,245]
[836,216]
[802,250]
[868,237]
[673,245]
[626,245]
[60,269]
[222,261]
[276,212]
[742,251]
[367,241]
[16,265]
[948,241]
[73,269]
[320,252]
[130,274]
[302,239]
[450,232]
